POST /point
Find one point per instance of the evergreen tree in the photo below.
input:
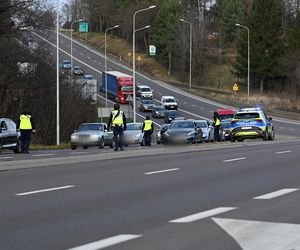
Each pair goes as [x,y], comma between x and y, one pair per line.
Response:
[266,46]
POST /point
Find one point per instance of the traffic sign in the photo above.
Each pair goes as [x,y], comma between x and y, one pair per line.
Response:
[129,98]
[83,27]
[139,58]
[152,50]
[235,87]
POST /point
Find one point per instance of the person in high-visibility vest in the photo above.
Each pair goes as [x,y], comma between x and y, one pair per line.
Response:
[147,129]
[26,126]
[217,126]
[117,120]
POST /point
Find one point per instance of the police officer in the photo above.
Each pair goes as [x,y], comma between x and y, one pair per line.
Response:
[147,129]
[26,126]
[217,126]
[118,121]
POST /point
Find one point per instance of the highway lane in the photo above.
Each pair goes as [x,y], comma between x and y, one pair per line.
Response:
[192,106]
[197,204]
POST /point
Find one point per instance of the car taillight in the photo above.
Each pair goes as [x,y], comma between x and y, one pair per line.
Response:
[259,120]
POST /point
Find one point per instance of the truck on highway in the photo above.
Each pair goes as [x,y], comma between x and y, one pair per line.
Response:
[119,85]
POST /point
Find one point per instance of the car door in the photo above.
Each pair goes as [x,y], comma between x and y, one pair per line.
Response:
[4,133]
[13,136]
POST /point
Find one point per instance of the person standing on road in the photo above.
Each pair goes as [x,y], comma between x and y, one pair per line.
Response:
[147,129]
[26,126]
[217,126]
[118,121]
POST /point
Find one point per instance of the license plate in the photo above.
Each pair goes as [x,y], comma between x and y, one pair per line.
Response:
[246,127]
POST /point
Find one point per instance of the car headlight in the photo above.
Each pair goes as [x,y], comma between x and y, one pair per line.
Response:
[190,134]
[74,136]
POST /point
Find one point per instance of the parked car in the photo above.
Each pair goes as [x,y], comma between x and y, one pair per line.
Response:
[225,124]
[77,70]
[133,134]
[9,137]
[92,134]
[159,112]
[88,77]
[146,105]
[66,64]
[160,132]
[170,115]
[169,102]
[207,129]
[144,91]
[182,131]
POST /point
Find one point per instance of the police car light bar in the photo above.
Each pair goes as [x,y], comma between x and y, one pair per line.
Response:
[251,109]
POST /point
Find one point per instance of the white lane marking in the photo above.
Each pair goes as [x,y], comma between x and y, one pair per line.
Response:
[163,171]
[276,194]
[81,54]
[41,155]
[6,157]
[235,159]
[203,215]
[89,57]
[45,190]
[114,240]
[281,127]
[284,152]
[51,54]
[185,102]
[291,129]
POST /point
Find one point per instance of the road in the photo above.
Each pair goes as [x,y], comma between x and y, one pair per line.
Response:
[190,105]
[241,197]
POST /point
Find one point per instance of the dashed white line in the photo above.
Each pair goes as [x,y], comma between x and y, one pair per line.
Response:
[281,127]
[235,159]
[81,53]
[163,171]
[114,240]
[41,155]
[276,194]
[45,190]
[202,215]
[284,152]
[185,102]
[89,57]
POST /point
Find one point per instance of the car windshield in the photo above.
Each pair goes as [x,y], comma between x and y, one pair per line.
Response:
[85,127]
[159,108]
[170,100]
[247,115]
[66,62]
[226,116]
[147,102]
[179,125]
[225,124]
[145,89]
[173,113]
[76,67]
[126,88]
[134,126]
[202,124]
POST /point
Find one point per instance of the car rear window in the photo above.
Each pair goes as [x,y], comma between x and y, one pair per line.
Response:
[135,126]
[252,115]
[170,100]
[182,125]
[202,124]
[85,127]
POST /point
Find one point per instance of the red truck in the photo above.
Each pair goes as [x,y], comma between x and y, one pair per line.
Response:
[119,85]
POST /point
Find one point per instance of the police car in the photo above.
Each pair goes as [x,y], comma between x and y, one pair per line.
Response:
[251,123]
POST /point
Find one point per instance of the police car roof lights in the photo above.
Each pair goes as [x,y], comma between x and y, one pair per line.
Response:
[258,108]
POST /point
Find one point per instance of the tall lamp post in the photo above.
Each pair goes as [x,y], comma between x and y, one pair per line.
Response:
[191,40]
[57,74]
[72,44]
[133,56]
[245,27]
[114,27]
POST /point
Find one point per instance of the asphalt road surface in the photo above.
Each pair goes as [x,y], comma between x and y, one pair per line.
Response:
[231,196]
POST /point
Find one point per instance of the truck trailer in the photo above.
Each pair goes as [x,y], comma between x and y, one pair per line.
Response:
[119,85]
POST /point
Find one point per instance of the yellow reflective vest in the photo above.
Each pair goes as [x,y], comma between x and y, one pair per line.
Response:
[117,120]
[218,122]
[25,122]
[148,125]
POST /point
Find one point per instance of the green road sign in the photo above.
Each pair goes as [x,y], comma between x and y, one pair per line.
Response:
[83,27]
[152,50]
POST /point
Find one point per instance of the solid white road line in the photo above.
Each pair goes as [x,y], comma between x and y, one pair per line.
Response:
[45,190]
[203,215]
[276,194]
[235,159]
[107,242]
[41,155]
[163,171]
[284,152]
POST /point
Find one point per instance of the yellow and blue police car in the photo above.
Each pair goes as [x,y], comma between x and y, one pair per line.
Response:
[251,123]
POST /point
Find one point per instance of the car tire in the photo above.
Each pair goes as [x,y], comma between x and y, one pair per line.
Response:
[85,147]
[266,136]
[73,147]
[240,140]
[272,136]
[232,139]
[17,149]
[101,143]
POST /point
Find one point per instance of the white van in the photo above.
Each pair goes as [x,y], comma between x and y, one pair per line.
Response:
[144,91]
[169,102]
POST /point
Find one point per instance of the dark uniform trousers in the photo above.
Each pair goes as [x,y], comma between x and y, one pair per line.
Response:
[25,139]
[147,137]
[118,135]
[217,133]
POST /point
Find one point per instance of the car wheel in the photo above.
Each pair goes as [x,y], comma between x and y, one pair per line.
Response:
[240,140]
[272,135]
[232,139]
[266,136]
[17,149]
[85,147]
[73,147]
[101,143]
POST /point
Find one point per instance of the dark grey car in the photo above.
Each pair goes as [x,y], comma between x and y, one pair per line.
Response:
[9,137]
[146,105]
[159,112]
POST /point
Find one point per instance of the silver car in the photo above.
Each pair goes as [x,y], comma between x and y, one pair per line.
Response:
[133,134]
[207,129]
[92,134]
[146,105]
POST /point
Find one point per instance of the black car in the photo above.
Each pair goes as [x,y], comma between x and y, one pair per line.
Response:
[182,131]
[171,115]
[159,112]
[9,137]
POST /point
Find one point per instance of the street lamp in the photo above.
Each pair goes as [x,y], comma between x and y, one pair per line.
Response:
[242,26]
[57,74]
[72,44]
[191,30]
[133,56]
[114,27]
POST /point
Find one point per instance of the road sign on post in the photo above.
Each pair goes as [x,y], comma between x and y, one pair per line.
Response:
[152,50]
[235,87]
[83,27]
